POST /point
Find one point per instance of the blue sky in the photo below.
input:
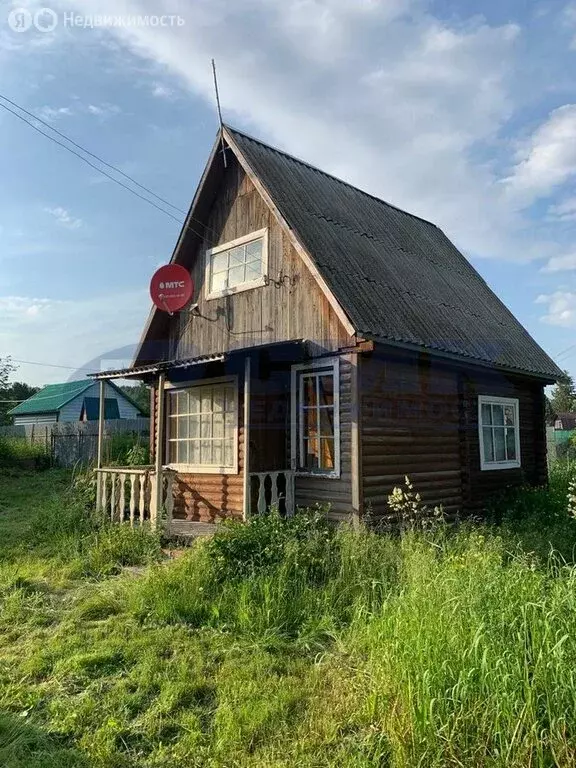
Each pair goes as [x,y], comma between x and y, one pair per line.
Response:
[464,113]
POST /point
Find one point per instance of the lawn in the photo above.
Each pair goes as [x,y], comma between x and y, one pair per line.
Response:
[278,645]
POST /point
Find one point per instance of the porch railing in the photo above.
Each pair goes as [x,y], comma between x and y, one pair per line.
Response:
[271,489]
[130,494]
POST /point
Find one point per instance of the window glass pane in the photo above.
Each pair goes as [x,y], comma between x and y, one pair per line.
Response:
[311,454]
[230,395]
[254,250]
[499,445]
[236,276]
[194,426]
[194,452]
[182,451]
[237,256]
[194,400]
[182,427]
[172,452]
[218,425]
[486,414]
[253,271]
[326,389]
[206,425]
[498,415]
[217,453]
[229,453]
[309,386]
[509,415]
[511,444]
[206,400]
[205,452]
[218,400]
[327,422]
[310,422]
[327,454]
[220,262]
[229,424]
[219,282]
[488,444]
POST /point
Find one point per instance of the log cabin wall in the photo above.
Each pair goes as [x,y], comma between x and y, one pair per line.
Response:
[296,309]
[409,426]
[420,418]
[479,485]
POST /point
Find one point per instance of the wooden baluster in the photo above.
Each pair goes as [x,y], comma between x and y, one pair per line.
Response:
[274,490]
[289,493]
[122,505]
[142,500]
[169,501]
[104,491]
[132,498]
[154,498]
[261,506]
[113,496]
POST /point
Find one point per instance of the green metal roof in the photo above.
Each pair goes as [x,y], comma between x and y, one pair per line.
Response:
[51,398]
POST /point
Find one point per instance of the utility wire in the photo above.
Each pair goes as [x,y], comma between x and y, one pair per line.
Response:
[51,365]
[91,154]
[96,168]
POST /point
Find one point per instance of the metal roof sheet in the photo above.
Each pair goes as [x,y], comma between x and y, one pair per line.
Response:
[397,276]
[51,398]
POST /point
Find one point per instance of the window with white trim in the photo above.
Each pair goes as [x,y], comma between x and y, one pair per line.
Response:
[316,428]
[499,428]
[202,427]
[238,265]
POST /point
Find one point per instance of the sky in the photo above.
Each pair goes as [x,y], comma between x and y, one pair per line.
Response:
[463,113]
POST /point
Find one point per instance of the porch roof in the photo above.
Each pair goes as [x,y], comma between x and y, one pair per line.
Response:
[140,371]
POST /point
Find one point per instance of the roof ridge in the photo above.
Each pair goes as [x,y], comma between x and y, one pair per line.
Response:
[330,175]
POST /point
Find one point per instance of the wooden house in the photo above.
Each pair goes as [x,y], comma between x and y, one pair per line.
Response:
[74,401]
[334,345]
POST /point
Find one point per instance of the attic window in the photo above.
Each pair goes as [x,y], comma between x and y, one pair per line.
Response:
[238,265]
[499,425]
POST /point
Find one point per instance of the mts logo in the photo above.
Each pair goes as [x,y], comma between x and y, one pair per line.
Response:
[173,284]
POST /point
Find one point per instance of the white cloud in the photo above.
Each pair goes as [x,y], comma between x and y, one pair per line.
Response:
[51,114]
[548,158]
[64,217]
[161,91]
[74,333]
[564,211]
[103,110]
[560,308]
[561,263]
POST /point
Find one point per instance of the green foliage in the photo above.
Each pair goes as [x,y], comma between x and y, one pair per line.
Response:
[14,451]
[140,394]
[127,450]
[11,395]
[563,398]
[285,643]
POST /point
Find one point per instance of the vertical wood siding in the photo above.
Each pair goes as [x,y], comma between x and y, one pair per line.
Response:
[297,309]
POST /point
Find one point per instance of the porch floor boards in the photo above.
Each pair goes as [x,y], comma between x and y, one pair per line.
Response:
[191,529]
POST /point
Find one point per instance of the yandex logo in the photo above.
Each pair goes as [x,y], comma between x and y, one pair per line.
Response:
[171,288]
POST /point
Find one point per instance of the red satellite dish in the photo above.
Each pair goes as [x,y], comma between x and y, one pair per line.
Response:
[171,288]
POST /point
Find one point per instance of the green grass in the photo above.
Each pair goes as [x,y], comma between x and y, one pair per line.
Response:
[279,645]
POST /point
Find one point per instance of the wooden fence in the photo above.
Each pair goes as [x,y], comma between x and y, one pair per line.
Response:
[76,442]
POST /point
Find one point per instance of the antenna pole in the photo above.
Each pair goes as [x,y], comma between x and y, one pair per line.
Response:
[219,113]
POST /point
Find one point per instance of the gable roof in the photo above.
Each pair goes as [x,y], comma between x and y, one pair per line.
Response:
[51,398]
[397,277]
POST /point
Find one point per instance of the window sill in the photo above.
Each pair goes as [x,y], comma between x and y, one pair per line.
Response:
[503,465]
[189,469]
[237,289]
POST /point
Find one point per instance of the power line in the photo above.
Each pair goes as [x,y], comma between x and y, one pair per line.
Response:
[87,151]
[85,160]
[52,365]
[100,170]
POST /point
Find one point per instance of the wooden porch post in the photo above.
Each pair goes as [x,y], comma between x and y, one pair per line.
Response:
[158,485]
[246,488]
[99,459]
[356,417]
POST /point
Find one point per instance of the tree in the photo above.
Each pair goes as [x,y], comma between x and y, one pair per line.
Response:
[563,398]
[140,394]
[11,395]
[6,368]
[550,412]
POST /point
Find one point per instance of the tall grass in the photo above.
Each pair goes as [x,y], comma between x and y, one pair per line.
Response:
[279,644]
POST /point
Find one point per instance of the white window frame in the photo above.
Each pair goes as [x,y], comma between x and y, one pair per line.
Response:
[261,234]
[297,415]
[202,469]
[492,400]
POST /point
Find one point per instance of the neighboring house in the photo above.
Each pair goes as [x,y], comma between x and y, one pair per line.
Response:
[335,345]
[565,421]
[74,401]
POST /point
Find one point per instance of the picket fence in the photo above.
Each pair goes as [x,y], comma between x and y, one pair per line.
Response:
[76,442]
